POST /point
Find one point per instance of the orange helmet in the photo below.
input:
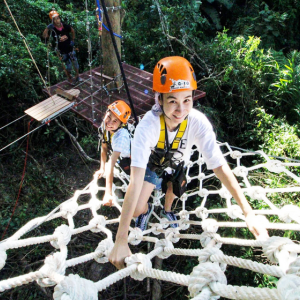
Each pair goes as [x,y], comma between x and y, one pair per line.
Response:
[121,110]
[53,14]
[174,74]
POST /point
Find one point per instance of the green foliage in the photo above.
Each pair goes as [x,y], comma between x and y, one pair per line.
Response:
[285,92]
[275,136]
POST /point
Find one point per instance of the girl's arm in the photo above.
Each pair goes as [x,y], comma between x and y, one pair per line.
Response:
[103,158]
[121,249]
[226,176]
[110,177]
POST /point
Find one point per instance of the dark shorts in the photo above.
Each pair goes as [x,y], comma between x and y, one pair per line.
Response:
[70,59]
[151,177]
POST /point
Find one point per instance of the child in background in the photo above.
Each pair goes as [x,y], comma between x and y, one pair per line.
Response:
[116,140]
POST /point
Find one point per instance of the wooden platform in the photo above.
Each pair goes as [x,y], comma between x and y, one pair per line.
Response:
[51,107]
[93,96]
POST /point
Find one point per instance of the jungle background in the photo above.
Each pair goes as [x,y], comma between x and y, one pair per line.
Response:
[246,57]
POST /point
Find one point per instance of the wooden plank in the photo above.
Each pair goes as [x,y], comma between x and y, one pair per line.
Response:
[104,76]
[52,100]
[46,105]
[60,92]
[44,114]
[74,92]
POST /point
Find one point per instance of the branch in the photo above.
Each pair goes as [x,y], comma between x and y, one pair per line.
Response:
[72,137]
[190,50]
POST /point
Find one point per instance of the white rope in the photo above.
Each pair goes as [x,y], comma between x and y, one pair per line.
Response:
[207,281]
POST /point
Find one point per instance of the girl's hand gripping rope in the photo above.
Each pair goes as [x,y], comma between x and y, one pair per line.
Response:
[256,227]
[107,199]
[119,252]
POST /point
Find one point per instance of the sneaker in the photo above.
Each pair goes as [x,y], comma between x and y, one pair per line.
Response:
[142,220]
[170,216]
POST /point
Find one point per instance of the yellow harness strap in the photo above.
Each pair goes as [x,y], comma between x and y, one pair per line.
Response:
[162,135]
[105,137]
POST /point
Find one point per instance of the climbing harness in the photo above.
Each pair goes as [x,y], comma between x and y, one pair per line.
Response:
[162,156]
[106,138]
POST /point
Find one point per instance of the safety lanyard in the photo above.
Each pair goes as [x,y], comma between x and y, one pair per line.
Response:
[163,136]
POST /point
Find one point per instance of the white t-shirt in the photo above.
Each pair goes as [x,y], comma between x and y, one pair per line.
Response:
[198,132]
[120,142]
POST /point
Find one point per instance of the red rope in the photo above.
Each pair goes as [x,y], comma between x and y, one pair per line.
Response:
[21,184]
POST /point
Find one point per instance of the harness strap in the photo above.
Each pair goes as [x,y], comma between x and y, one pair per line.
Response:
[163,134]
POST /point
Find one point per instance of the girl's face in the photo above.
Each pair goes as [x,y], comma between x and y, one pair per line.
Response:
[176,107]
[111,122]
[57,21]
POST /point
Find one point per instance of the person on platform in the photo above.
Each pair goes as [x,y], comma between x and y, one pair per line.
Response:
[64,37]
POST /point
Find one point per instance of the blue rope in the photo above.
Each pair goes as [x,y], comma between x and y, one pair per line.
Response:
[99,12]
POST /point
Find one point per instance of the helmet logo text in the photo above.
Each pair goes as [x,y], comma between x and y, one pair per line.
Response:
[179,84]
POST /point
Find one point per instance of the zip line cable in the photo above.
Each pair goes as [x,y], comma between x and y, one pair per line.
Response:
[12,122]
[21,137]
[90,59]
[119,59]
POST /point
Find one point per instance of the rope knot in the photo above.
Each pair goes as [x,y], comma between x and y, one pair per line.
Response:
[235,211]
[273,248]
[135,236]
[75,288]
[170,234]
[104,248]
[203,275]
[95,203]
[289,212]
[236,154]
[158,228]
[206,237]
[98,223]
[202,212]
[257,193]
[275,166]
[203,193]
[69,209]
[165,244]
[224,193]
[206,253]
[200,161]
[63,235]
[142,261]
[289,287]
[184,197]
[210,225]
[55,264]
[184,218]
[201,176]
[240,171]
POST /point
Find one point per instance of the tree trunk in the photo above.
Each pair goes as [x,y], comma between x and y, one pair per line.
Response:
[110,62]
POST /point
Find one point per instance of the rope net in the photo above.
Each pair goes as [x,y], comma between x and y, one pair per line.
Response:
[208,279]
